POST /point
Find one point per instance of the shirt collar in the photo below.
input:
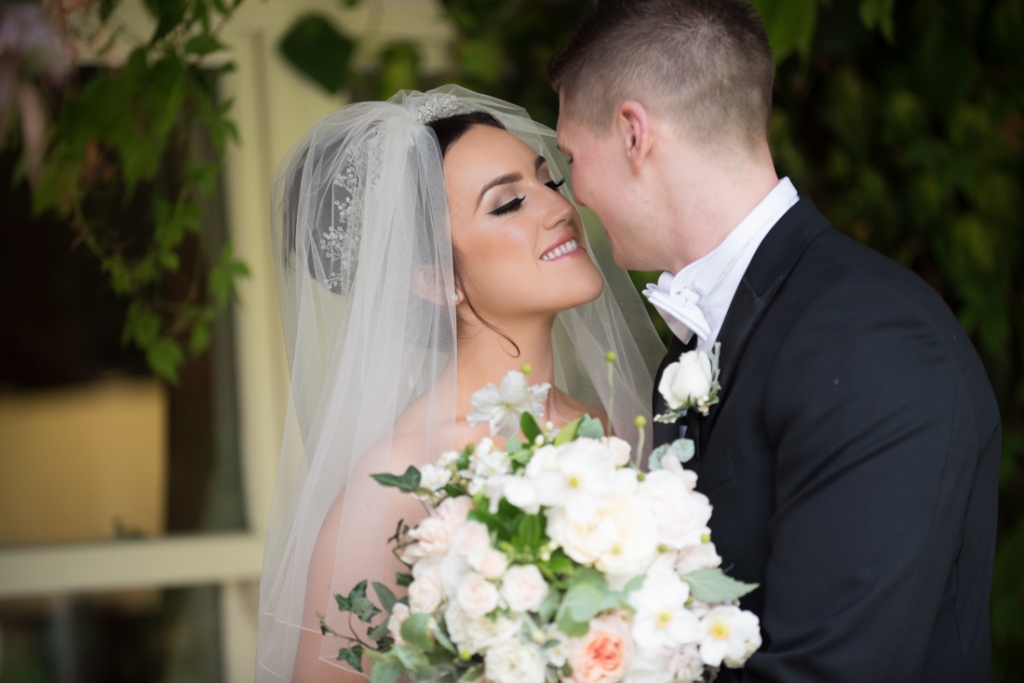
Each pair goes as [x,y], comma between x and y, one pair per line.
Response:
[704,274]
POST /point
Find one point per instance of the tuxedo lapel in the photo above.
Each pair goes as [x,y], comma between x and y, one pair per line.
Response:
[768,270]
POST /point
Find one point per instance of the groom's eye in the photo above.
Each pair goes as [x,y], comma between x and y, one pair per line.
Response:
[509,207]
[555,185]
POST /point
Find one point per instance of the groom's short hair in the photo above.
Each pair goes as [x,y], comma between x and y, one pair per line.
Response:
[706,64]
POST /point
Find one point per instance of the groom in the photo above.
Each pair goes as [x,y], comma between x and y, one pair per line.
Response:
[852,461]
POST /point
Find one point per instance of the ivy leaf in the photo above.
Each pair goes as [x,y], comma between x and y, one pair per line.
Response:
[353,656]
[407,483]
[319,51]
[199,339]
[386,667]
[712,585]
[386,597]
[165,357]
[203,45]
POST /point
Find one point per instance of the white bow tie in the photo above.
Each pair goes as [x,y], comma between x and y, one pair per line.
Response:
[679,309]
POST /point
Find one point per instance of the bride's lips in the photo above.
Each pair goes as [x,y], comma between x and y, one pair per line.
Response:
[565,247]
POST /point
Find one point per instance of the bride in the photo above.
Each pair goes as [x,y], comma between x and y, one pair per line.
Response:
[426,246]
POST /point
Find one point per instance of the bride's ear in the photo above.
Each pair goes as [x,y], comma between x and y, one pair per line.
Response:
[426,286]
[635,128]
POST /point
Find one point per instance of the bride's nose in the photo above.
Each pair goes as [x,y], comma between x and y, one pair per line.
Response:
[557,211]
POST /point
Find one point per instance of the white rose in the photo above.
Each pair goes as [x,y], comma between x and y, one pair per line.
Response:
[584,541]
[476,596]
[399,613]
[729,634]
[491,564]
[474,635]
[634,544]
[434,478]
[472,541]
[426,593]
[619,449]
[694,557]
[513,661]
[452,569]
[686,381]
[523,588]
[454,512]
[434,538]
[686,665]
[682,514]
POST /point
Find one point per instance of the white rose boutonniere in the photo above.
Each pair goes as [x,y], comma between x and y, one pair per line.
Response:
[690,382]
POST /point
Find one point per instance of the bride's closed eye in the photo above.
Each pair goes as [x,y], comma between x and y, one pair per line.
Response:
[514,205]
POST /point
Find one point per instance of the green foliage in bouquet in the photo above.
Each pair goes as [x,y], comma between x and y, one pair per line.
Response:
[423,646]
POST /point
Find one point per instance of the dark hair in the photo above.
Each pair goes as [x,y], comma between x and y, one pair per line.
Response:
[448,130]
[706,63]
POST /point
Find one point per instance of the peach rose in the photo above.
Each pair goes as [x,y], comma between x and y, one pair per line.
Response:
[604,654]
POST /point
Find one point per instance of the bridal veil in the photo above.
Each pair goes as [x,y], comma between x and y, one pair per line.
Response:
[364,271]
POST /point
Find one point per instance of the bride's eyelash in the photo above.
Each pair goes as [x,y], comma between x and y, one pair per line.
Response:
[518,201]
[509,207]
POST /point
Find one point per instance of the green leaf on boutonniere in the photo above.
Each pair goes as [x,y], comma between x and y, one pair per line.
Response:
[670,417]
[407,483]
[712,585]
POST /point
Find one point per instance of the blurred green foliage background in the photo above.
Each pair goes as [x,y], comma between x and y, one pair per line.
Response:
[902,119]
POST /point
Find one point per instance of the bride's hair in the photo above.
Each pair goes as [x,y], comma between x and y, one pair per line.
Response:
[448,130]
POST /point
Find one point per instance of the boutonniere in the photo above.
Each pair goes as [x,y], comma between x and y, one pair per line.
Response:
[690,382]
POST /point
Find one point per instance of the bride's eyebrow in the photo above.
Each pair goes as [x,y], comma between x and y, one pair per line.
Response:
[507,178]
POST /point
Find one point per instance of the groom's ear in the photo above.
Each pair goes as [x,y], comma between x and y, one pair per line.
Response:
[635,128]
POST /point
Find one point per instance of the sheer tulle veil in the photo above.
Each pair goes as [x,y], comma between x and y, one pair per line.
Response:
[360,223]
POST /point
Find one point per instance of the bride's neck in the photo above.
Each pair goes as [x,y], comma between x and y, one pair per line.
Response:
[485,356]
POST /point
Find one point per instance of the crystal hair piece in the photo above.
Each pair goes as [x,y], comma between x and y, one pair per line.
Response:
[436,107]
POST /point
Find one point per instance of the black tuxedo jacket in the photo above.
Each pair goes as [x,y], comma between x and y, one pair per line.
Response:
[852,464]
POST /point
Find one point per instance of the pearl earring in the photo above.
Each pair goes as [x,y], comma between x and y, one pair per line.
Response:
[455,297]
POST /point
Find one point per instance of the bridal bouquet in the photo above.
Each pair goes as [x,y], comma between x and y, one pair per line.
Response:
[553,559]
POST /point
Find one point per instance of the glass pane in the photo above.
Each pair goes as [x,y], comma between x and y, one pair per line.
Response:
[168,636]
[92,445]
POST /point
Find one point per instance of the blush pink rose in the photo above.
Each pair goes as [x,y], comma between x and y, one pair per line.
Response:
[604,654]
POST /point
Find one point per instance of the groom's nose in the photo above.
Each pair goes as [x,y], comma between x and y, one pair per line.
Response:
[560,212]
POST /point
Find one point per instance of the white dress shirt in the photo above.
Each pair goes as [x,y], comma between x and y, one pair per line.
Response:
[696,299]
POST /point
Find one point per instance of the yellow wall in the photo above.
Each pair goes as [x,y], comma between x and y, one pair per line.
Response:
[73,462]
